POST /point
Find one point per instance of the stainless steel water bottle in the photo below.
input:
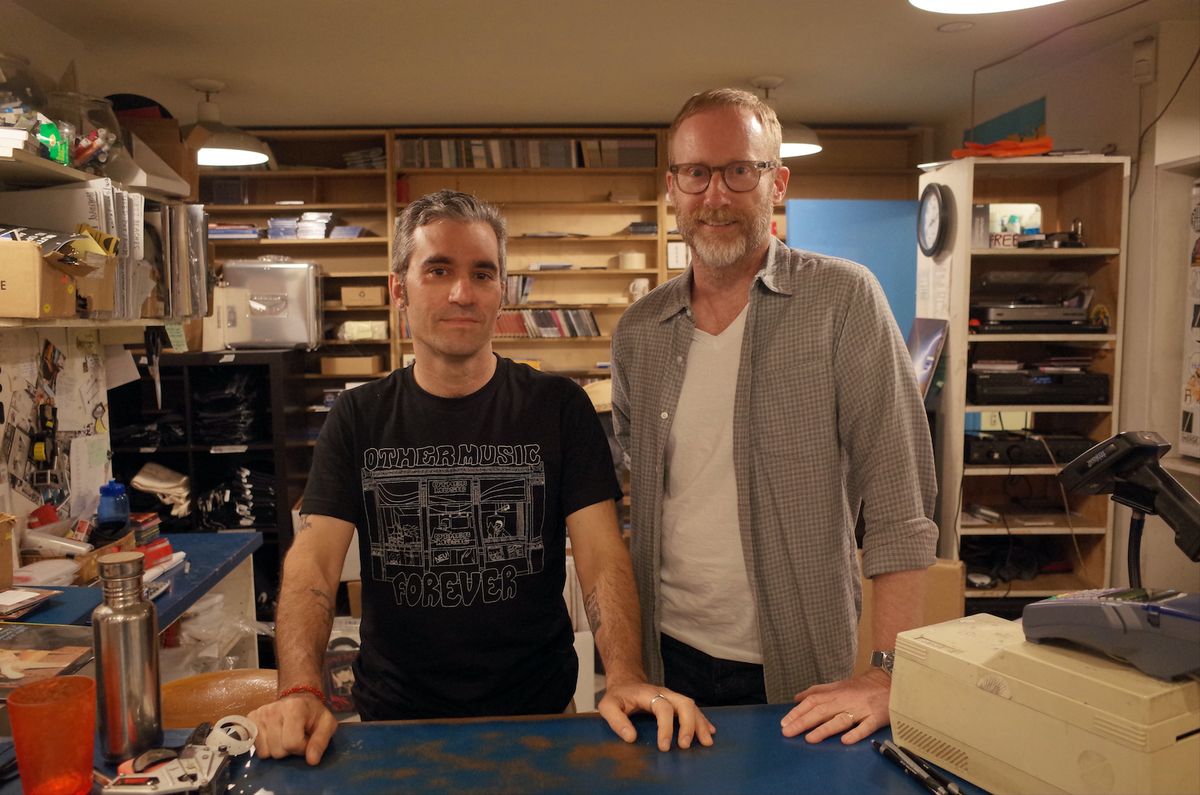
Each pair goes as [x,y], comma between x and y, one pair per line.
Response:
[125,629]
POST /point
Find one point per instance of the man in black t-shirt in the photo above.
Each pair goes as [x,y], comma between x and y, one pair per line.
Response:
[462,474]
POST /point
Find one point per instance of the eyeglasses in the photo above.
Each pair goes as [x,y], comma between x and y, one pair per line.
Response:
[740,176]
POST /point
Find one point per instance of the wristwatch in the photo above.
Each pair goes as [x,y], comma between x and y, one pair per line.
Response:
[884,660]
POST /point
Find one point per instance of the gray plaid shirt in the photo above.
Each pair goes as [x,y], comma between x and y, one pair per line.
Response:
[827,418]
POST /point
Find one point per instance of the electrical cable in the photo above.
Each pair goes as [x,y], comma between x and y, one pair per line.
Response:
[1039,42]
[1134,556]
[1066,504]
[1004,518]
[1138,160]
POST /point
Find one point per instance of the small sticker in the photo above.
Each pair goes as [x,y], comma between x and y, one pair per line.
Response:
[176,336]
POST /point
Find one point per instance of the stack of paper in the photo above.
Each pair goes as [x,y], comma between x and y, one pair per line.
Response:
[101,205]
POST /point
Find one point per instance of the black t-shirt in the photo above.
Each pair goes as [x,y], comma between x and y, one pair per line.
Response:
[460,505]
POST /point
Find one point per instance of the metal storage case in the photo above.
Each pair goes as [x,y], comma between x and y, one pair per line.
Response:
[283,304]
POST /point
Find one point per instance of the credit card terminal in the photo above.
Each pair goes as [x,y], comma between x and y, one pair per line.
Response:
[1157,631]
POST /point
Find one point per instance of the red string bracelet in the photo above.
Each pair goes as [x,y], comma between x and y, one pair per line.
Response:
[312,691]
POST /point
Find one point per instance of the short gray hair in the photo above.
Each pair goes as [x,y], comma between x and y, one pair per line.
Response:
[731,98]
[443,205]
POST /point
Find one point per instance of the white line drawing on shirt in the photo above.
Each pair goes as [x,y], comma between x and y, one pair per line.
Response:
[449,534]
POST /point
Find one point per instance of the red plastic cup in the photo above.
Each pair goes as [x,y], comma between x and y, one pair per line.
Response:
[54,730]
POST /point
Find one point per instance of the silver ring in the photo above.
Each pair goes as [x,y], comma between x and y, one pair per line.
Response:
[849,715]
[659,697]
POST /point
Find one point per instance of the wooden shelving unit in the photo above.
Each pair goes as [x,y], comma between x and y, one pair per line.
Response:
[556,215]
[1090,188]
[588,207]
[312,169]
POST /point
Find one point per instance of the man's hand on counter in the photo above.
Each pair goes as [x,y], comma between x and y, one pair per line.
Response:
[293,725]
[667,706]
[857,707]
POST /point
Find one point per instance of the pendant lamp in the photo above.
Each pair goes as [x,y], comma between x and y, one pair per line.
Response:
[798,139]
[219,144]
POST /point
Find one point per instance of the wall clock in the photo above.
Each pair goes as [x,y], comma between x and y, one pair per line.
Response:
[933,219]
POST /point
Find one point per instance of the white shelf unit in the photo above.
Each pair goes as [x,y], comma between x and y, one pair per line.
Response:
[1093,189]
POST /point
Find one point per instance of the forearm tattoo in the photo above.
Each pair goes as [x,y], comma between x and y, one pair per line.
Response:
[322,597]
[592,605]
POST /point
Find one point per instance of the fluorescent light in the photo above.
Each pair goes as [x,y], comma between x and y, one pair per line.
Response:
[978,6]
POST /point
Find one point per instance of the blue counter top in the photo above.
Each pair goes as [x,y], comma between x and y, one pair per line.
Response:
[210,557]
[575,754]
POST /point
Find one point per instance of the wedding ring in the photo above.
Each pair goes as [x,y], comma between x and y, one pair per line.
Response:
[849,715]
[659,697]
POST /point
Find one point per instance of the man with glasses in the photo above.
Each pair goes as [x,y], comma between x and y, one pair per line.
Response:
[764,399]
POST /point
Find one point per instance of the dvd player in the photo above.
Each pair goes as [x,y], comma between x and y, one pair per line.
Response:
[1014,448]
[1032,387]
[1028,313]
[1037,328]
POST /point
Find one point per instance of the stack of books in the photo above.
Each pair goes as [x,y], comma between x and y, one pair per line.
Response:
[145,526]
[643,228]
[233,231]
[547,323]
[519,289]
[372,157]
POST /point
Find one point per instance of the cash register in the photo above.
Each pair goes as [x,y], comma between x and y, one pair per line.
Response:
[1091,692]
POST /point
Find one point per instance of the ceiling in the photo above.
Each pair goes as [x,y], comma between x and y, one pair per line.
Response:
[418,62]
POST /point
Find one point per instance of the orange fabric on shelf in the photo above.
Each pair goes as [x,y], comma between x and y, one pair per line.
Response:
[1030,146]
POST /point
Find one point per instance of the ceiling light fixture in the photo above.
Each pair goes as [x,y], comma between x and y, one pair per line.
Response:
[978,6]
[219,144]
[798,139]
[955,27]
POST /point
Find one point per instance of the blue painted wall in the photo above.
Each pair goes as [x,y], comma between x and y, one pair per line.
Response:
[879,234]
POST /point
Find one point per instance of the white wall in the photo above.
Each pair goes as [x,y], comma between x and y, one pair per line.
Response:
[1093,103]
[50,52]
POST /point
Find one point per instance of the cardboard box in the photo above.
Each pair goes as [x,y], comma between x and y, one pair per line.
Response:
[31,287]
[89,566]
[100,289]
[351,365]
[364,295]
[354,596]
[7,523]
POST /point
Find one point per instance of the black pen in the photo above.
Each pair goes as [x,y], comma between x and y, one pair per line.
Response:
[938,775]
[890,751]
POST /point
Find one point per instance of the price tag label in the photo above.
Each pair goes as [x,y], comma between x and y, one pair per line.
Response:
[176,336]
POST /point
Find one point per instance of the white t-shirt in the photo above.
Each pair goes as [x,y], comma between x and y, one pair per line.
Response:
[706,598]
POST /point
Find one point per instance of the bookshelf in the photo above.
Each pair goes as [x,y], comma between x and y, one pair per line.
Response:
[345,173]
[576,203]
[1066,551]
[571,197]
